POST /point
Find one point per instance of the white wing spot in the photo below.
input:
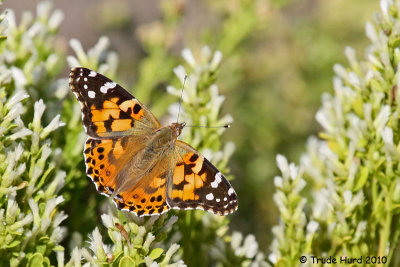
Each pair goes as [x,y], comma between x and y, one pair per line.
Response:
[111,85]
[107,86]
[91,94]
[85,86]
[210,196]
[225,198]
[85,79]
[92,74]
[218,179]
[78,79]
[217,199]
[231,191]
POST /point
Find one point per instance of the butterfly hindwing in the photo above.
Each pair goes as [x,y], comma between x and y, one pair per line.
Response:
[147,195]
[107,164]
[197,184]
[108,110]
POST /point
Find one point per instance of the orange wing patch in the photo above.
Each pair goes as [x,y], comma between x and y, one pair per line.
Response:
[186,177]
[133,108]
[105,114]
[147,197]
[197,184]
[101,162]
[114,117]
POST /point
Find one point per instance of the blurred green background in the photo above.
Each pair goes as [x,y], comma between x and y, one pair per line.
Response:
[278,60]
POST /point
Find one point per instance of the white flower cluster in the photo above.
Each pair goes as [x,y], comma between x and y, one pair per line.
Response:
[136,243]
[352,175]
[98,58]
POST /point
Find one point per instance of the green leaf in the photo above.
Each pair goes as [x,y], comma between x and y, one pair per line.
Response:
[44,239]
[42,207]
[13,244]
[358,106]
[395,208]
[126,262]
[58,248]
[14,233]
[46,262]
[156,253]
[118,256]
[36,260]
[281,263]
[41,248]
[14,261]
[362,178]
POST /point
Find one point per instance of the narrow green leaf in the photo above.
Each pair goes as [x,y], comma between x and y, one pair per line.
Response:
[362,179]
[156,253]
[13,244]
[58,248]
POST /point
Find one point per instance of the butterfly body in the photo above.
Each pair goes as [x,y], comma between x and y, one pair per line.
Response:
[140,164]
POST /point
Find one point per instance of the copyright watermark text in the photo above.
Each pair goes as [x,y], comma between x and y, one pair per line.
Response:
[344,260]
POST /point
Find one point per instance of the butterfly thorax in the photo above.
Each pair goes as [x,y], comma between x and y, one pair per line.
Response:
[161,143]
[162,139]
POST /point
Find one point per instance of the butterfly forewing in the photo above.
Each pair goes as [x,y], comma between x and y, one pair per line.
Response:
[108,110]
[197,184]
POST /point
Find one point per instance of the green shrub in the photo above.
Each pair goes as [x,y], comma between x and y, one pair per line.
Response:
[350,175]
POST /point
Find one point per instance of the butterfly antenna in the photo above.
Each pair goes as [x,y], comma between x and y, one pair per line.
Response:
[180,105]
[180,101]
[201,126]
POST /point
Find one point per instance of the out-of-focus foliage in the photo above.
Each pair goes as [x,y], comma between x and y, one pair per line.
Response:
[350,203]
[275,81]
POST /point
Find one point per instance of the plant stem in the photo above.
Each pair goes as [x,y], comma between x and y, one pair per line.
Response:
[187,251]
[384,237]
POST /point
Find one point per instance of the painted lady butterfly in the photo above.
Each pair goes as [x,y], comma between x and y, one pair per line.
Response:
[140,164]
